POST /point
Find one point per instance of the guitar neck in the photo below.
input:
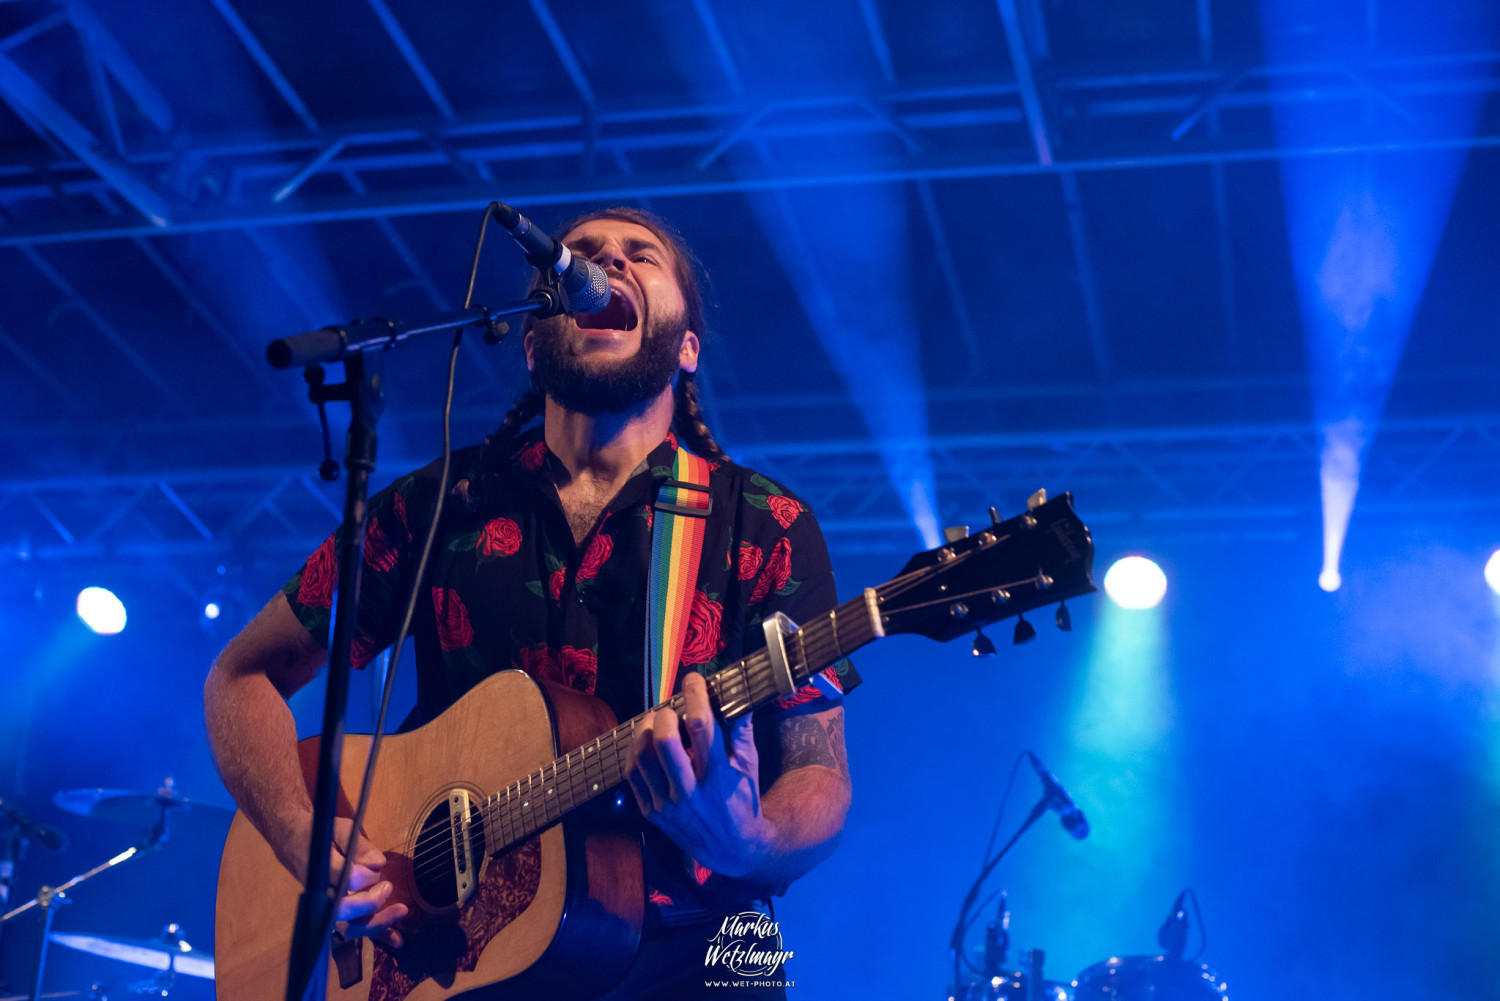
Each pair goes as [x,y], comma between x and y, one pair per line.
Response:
[545,796]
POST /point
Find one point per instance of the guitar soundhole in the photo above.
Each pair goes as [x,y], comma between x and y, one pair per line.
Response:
[434,867]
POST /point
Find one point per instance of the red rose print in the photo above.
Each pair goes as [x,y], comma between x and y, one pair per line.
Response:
[660,899]
[649,516]
[398,501]
[777,571]
[532,456]
[501,537]
[581,667]
[454,630]
[319,574]
[704,630]
[597,553]
[804,694]
[538,662]
[750,560]
[701,873]
[361,651]
[379,553]
[672,440]
[555,584]
[784,509]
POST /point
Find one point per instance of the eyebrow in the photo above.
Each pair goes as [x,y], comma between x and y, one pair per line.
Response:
[588,244]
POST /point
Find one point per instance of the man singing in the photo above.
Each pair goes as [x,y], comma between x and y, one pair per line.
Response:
[540,564]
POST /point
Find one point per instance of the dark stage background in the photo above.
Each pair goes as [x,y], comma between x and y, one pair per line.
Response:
[1222,268]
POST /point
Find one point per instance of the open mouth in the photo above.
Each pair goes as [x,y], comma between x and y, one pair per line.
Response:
[618,314]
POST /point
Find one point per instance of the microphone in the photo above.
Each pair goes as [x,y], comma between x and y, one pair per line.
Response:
[49,838]
[1058,799]
[1173,934]
[583,282]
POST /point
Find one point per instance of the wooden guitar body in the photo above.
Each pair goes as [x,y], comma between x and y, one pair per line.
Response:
[557,915]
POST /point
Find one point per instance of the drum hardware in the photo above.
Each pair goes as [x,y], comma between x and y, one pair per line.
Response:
[147,810]
[1054,797]
[169,954]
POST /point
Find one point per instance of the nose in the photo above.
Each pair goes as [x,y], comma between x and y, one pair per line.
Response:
[610,255]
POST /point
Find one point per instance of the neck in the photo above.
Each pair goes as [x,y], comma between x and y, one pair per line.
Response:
[607,447]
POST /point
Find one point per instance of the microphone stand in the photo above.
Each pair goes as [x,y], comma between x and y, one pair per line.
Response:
[956,943]
[360,346]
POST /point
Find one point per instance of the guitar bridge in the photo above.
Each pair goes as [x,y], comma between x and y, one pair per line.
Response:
[460,827]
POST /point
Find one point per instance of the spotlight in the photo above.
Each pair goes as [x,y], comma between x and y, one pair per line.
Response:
[211,610]
[101,611]
[1135,582]
[1492,571]
[1330,580]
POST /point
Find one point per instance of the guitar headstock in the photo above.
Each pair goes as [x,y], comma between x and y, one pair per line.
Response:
[1034,559]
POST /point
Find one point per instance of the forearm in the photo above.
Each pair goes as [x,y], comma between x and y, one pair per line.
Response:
[254,741]
[803,814]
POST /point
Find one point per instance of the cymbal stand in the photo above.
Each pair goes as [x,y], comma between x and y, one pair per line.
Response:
[49,898]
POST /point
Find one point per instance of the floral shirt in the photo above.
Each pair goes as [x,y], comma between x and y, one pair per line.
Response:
[508,587]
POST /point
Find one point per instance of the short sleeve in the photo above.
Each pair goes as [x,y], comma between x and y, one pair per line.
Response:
[385,581]
[795,577]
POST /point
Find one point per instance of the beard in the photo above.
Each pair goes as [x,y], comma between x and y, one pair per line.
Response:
[608,386]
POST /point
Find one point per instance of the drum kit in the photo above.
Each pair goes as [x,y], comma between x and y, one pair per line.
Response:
[169,954]
[1165,977]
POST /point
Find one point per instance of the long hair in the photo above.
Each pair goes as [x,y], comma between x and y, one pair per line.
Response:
[687,416]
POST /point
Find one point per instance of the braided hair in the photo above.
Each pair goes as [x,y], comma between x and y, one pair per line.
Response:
[687,415]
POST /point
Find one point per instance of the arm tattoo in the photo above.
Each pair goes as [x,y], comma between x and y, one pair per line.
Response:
[806,740]
[836,741]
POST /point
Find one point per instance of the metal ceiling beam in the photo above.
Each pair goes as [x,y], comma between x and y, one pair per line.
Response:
[565,53]
[126,72]
[680,184]
[1169,478]
[35,104]
[267,65]
[413,58]
[1020,60]
[1088,284]
[119,340]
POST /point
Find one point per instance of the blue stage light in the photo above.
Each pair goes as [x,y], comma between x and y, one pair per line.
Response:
[101,611]
[211,610]
[1492,572]
[1135,582]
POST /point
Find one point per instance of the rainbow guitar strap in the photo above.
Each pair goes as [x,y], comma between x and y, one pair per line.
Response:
[682,507]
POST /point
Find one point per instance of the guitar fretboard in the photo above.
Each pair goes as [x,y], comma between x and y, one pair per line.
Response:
[545,796]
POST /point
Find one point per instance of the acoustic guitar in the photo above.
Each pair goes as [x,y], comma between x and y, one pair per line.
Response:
[503,820]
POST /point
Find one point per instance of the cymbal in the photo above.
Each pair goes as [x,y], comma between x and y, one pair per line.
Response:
[127,806]
[154,953]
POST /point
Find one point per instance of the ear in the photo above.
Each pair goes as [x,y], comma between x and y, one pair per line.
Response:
[529,343]
[687,356]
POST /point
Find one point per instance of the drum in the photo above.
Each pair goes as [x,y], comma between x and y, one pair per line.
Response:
[1148,978]
[1011,986]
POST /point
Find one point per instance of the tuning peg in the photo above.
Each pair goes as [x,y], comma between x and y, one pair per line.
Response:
[1025,632]
[983,645]
[957,533]
[994,517]
[1036,500]
[1064,617]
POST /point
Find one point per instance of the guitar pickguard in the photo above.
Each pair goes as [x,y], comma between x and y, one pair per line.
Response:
[438,946]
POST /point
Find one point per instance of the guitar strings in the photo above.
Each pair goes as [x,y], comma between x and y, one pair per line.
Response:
[431,850]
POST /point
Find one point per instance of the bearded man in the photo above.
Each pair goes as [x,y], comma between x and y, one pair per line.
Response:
[540,565]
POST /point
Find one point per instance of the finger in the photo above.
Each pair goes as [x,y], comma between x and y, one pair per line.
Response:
[378,925]
[742,745]
[676,766]
[648,772]
[365,903]
[365,851]
[700,723]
